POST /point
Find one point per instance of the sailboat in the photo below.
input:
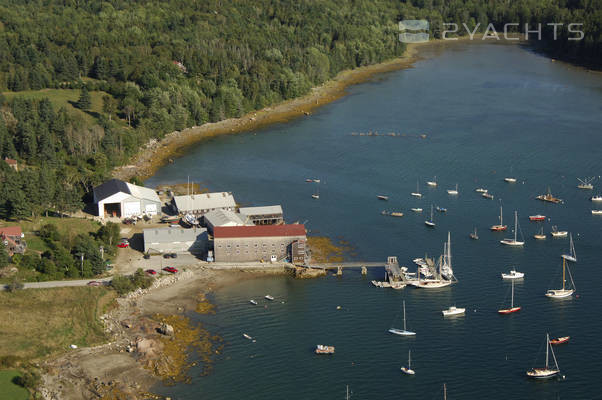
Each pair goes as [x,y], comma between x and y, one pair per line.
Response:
[512,309]
[430,222]
[317,194]
[501,226]
[444,275]
[510,179]
[572,256]
[433,182]
[474,235]
[564,292]
[540,235]
[547,371]
[408,370]
[404,331]
[453,191]
[513,242]
[417,192]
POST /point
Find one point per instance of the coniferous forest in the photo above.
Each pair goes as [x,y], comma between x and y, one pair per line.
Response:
[143,69]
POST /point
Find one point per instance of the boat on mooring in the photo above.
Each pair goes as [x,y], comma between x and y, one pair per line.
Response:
[567,290]
[453,310]
[417,210]
[514,242]
[441,209]
[548,197]
[430,222]
[560,340]
[596,212]
[254,302]
[481,190]
[540,235]
[547,371]
[513,274]
[269,297]
[500,227]
[512,308]
[324,349]
[585,183]
[558,234]
[408,370]
[453,191]
[473,235]
[382,197]
[433,182]
[417,192]
[442,275]
[571,256]
[404,331]
[596,198]
[487,196]
[537,218]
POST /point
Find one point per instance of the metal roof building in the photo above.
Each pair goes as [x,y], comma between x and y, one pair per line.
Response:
[121,199]
[173,240]
[224,218]
[266,215]
[200,204]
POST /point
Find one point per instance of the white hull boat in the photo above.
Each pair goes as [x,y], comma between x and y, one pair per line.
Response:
[596,198]
[564,292]
[510,180]
[596,212]
[547,371]
[408,370]
[433,182]
[513,274]
[268,297]
[453,310]
[453,192]
[571,256]
[513,242]
[404,331]
[481,190]
[417,210]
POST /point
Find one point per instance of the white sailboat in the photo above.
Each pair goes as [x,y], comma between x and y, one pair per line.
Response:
[564,292]
[513,242]
[444,275]
[430,222]
[408,370]
[512,309]
[510,179]
[433,182]
[417,192]
[317,194]
[417,209]
[558,234]
[547,371]
[572,256]
[453,191]
[404,331]
[540,235]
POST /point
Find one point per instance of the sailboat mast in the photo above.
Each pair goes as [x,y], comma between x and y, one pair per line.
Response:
[404,315]
[409,359]
[444,392]
[449,263]
[563,272]
[512,298]
[501,216]
[515,223]
[547,347]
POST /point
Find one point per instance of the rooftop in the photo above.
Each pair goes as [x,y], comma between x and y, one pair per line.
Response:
[204,201]
[221,217]
[223,232]
[169,234]
[264,210]
[11,231]
[113,186]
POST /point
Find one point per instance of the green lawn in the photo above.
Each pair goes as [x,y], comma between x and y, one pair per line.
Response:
[10,391]
[64,98]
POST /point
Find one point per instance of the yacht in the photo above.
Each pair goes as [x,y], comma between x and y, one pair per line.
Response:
[513,274]
[453,191]
[547,371]
[564,292]
[453,310]
[513,242]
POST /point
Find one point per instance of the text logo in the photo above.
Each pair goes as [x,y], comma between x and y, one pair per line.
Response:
[413,25]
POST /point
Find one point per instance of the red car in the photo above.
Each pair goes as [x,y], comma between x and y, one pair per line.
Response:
[123,245]
[151,272]
[170,269]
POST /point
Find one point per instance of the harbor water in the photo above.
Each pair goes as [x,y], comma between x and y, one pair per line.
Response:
[488,111]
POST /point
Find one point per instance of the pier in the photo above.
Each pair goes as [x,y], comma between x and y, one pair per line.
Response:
[391,266]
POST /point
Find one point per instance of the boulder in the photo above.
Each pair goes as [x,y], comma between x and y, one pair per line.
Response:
[165,329]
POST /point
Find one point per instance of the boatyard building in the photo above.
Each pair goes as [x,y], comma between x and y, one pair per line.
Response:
[116,198]
[257,243]
[200,204]
[267,215]
[175,240]
[224,218]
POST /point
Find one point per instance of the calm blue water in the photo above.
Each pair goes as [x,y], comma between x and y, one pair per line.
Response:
[489,111]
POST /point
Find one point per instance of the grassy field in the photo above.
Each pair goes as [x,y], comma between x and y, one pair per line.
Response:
[64,98]
[10,391]
[70,227]
[41,322]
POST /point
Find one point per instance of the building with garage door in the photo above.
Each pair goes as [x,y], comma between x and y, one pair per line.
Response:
[256,243]
[120,199]
[175,240]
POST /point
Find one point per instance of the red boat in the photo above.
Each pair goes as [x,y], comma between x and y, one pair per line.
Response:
[560,340]
[537,217]
[509,310]
[499,228]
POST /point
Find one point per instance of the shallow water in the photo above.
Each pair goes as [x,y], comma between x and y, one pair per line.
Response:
[489,111]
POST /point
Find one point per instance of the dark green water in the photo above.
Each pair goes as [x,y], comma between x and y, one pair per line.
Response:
[486,109]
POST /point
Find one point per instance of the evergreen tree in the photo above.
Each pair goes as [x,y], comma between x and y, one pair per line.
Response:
[85,101]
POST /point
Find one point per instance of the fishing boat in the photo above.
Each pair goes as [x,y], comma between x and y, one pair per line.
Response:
[513,242]
[254,302]
[512,309]
[247,336]
[441,209]
[596,198]
[537,218]
[548,197]
[481,190]
[268,297]
[487,196]
[417,192]
[473,235]
[540,235]
[501,226]
[433,182]
[408,370]
[596,212]
[323,349]
[560,340]
[513,274]
[558,234]
[585,183]
[382,197]
[571,256]
[417,210]
[453,191]
[564,292]
[430,222]
[404,331]
[453,310]
[547,371]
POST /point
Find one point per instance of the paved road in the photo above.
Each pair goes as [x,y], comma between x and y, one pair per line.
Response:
[54,284]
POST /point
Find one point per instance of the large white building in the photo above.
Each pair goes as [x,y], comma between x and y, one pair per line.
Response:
[224,218]
[120,199]
[200,204]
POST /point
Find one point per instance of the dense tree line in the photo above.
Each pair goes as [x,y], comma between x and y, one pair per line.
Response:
[66,258]
[170,65]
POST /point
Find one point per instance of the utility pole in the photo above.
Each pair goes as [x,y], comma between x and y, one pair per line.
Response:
[82,266]
[102,252]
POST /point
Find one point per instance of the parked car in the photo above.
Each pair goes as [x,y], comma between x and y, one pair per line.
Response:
[170,269]
[174,255]
[146,256]
[94,283]
[151,272]
[123,245]
[167,255]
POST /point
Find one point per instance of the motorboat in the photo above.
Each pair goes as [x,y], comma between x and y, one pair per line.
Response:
[513,274]
[453,310]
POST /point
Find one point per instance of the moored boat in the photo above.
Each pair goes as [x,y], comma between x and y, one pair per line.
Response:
[408,370]
[324,349]
[513,274]
[510,180]
[548,197]
[473,235]
[254,302]
[453,191]
[453,310]
[417,209]
[513,242]
[396,214]
[500,227]
[481,190]
[487,196]
[512,308]
[596,198]
[540,235]
[417,192]
[404,331]
[572,255]
[441,209]
[558,234]
[564,292]
[433,182]
[247,336]
[560,340]
[585,183]
[382,197]
[596,212]
[430,223]
[537,217]
[547,371]
[268,297]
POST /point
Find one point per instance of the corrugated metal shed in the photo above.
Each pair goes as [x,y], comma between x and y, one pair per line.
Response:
[224,218]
